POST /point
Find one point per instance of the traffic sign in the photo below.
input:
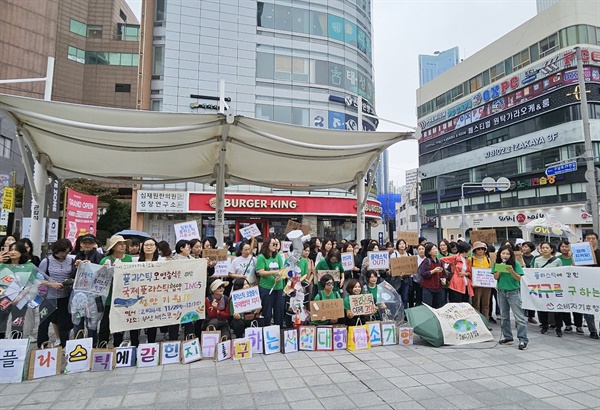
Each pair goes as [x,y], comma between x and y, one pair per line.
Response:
[561,168]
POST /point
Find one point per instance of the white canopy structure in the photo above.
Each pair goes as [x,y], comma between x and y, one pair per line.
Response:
[117,145]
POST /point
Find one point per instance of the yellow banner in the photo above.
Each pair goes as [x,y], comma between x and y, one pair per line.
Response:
[8,201]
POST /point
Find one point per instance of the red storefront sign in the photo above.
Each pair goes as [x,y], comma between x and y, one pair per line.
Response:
[281,204]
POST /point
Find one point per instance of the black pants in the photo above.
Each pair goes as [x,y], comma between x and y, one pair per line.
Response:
[60,316]
[415,297]
[546,318]
[457,297]
[194,328]
[17,317]
[560,318]
[222,325]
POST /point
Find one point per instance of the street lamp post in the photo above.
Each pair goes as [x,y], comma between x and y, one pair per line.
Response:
[440,185]
[488,184]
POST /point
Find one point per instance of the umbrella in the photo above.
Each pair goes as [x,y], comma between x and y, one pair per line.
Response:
[127,233]
[425,324]
[549,226]
[394,309]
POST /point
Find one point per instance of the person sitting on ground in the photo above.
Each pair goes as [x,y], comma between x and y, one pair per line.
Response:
[327,284]
[240,321]
[217,309]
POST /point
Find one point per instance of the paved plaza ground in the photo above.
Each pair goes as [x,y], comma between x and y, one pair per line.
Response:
[553,372]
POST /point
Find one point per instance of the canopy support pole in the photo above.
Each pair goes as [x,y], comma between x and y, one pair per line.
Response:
[220,208]
[38,190]
[360,209]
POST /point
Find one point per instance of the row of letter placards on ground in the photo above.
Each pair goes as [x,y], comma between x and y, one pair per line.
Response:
[81,357]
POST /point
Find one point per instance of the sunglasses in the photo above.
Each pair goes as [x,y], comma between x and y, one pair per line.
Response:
[328,283]
[480,249]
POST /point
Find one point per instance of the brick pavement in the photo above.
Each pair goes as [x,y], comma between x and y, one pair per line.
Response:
[552,373]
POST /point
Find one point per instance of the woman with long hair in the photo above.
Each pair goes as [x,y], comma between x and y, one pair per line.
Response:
[433,278]
[196,247]
[148,253]
[244,264]
[354,273]
[333,261]
[401,251]
[460,289]
[324,251]
[269,265]
[15,262]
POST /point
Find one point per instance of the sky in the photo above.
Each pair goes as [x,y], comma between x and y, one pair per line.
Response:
[403,29]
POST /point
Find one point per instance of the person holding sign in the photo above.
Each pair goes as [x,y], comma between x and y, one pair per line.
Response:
[244,264]
[352,288]
[433,278]
[371,287]
[460,288]
[546,260]
[354,273]
[333,261]
[148,253]
[382,273]
[566,258]
[405,281]
[482,296]
[592,238]
[240,321]
[328,292]
[269,265]
[507,271]
[218,309]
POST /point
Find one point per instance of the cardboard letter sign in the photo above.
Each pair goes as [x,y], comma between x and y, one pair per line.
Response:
[103,360]
[390,335]
[334,273]
[306,337]
[190,350]
[290,341]
[362,304]
[186,230]
[250,231]
[324,338]
[405,336]
[255,336]
[12,359]
[126,356]
[242,349]
[484,235]
[215,254]
[224,351]
[404,266]
[170,352]
[148,354]
[293,225]
[44,363]
[411,238]
[326,309]
[375,336]
[78,355]
[340,337]
[272,338]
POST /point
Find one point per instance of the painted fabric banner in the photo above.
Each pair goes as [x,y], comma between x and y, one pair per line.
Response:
[462,324]
[562,289]
[153,294]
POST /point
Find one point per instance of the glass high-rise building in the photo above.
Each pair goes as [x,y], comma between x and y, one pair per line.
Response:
[432,66]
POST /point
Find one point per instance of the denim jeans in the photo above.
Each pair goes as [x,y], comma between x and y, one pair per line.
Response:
[405,287]
[511,300]
[434,298]
[93,333]
[272,306]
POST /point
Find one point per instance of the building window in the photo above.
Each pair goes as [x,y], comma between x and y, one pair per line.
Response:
[301,21]
[497,71]
[521,59]
[78,27]
[5,147]
[318,23]
[120,59]
[476,82]
[156,105]
[94,31]
[122,88]
[159,15]
[283,68]
[548,45]
[76,54]
[265,15]
[128,32]
[265,64]
[264,112]
[283,18]
[158,67]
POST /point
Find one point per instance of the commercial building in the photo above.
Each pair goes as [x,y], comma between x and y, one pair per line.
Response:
[304,63]
[430,66]
[511,110]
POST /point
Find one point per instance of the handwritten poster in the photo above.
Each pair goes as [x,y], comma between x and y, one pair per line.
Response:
[154,294]
[293,225]
[12,359]
[186,230]
[242,349]
[250,231]
[582,254]
[272,338]
[306,337]
[362,304]
[222,268]
[484,235]
[340,337]
[335,274]
[245,300]
[215,254]
[348,261]
[483,278]
[324,338]
[290,341]
[403,266]
[326,309]
[379,260]
[411,238]
[461,324]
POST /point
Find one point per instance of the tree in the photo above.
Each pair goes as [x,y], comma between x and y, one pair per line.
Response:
[116,218]
[89,187]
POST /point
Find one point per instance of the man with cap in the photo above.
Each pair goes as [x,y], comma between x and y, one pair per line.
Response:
[217,308]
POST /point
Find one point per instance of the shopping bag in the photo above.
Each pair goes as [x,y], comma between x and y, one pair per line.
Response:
[78,354]
[208,340]
[126,354]
[324,338]
[358,338]
[389,333]
[405,336]
[340,337]
[223,351]
[306,337]
[254,333]
[190,349]
[103,358]
[272,339]
[289,339]
[375,337]
[148,354]
[242,349]
[44,362]
[170,352]
[12,360]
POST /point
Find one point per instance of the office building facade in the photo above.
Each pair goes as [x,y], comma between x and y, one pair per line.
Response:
[431,66]
[511,110]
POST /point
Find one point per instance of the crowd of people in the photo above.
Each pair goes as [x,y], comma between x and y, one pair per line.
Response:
[443,275]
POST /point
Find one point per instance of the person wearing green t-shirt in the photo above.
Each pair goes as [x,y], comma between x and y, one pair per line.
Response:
[327,293]
[333,261]
[117,246]
[507,271]
[268,266]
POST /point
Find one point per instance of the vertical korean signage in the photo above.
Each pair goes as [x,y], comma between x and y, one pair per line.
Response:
[80,214]
[7,199]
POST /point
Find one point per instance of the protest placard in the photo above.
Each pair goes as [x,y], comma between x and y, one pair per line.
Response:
[245,300]
[186,230]
[326,309]
[293,225]
[250,231]
[362,304]
[583,254]
[336,274]
[562,289]
[222,268]
[379,260]
[285,246]
[348,261]
[411,238]
[153,294]
[483,278]
[215,254]
[461,324]
[403,266]
[484,235]
[15,352]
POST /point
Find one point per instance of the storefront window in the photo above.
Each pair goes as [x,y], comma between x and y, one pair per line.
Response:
[337,229]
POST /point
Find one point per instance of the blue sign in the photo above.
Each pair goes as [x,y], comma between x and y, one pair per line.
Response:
[561,168]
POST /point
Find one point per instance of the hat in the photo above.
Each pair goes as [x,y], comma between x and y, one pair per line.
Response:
[519,241]
[115,240]
[217,284]
[87,238]
[479,244]
[461,239]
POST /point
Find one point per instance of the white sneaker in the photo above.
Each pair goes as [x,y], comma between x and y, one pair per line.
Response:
[57,342]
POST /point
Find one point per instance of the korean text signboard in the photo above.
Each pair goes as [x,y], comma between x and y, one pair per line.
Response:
[186,230]
[362,304]
[403,266]
[245,300]
[483,278]
[562,289]
[379,260]
[293,225]
[484,235]
[411,238]
[153,294]
[250,231]
[348,261]
[582,254]
[80,214]
[326,309]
